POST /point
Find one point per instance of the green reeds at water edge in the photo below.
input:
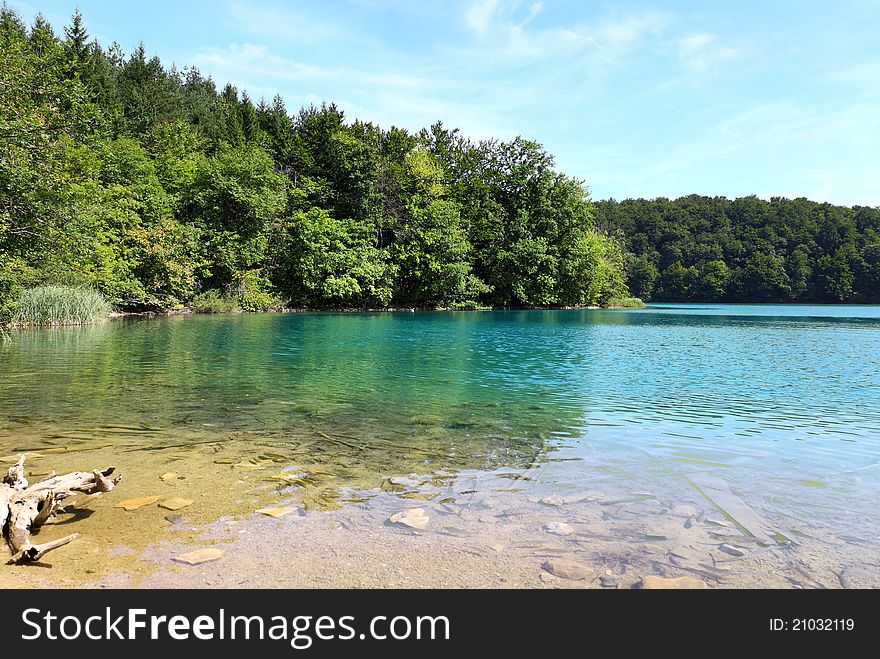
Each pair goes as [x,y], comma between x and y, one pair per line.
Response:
[47,306]
[625,303]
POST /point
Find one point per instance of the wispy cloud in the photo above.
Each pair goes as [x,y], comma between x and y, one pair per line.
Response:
[701,51]
[480,13]
[237,60]
[298,25]
[621,35]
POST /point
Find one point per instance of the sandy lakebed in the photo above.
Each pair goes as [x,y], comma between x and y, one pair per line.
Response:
[480,531]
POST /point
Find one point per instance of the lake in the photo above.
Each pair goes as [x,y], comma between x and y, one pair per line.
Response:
[758,423]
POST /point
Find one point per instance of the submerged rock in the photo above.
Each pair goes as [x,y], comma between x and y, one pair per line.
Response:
[200,556]
[732,550]
[564,568]
[414,518]
[140,502]
[679,583]
[175,503]
[277,512]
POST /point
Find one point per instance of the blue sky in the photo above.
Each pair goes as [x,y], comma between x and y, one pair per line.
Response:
[640,99]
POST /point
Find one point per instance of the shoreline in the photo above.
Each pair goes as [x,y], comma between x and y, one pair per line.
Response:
[401,309]
[187,311]
[491,540]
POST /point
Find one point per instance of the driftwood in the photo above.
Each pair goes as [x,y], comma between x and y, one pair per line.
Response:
[25,508]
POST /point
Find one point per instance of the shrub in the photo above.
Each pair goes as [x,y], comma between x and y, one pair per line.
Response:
[60,305]
[255,292]
[213,301]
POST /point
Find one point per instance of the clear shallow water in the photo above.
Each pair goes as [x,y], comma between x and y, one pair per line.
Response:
[779,405]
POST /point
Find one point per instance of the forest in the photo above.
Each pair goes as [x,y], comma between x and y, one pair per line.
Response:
[160,190]
[704,249]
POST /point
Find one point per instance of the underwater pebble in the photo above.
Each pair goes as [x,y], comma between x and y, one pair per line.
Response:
[168,477]
[553,500]
[564,568]
[558,528]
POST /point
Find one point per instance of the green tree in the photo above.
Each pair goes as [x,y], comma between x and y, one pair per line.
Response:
[322,261]
[763,279]
[235,196]
[641,276]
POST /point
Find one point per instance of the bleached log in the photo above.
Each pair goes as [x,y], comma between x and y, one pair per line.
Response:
[25,508]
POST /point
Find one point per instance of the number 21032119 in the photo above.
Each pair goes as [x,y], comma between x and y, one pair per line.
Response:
[812,624]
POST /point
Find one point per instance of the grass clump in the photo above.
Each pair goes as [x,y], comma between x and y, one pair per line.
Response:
[625,303]
[47,306]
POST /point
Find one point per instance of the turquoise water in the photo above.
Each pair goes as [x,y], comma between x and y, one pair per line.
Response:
[781,403]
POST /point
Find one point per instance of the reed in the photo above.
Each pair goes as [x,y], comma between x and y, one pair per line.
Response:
[47,306]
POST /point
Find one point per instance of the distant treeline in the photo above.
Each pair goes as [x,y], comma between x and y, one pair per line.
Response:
[159,190]
[747,250]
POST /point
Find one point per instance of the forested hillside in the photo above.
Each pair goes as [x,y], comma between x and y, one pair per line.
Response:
[158,189]
[747,250]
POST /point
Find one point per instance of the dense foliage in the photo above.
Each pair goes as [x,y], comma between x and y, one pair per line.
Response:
[747,250]
[160,190]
